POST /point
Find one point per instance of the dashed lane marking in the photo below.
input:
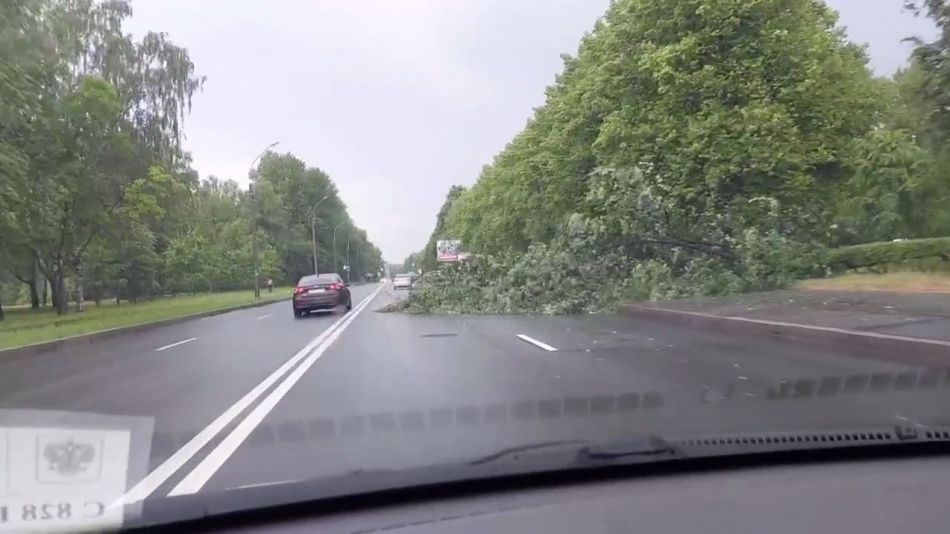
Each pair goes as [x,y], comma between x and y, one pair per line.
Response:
[537,343]
[176,344]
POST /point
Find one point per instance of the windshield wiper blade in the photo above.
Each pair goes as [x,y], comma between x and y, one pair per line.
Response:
[654,447]
[510,451]
[581,452]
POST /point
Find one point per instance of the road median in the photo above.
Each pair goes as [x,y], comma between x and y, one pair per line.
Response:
[102,335]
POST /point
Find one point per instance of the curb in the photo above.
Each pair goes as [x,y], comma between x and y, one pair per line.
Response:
[901,349]
[102,335]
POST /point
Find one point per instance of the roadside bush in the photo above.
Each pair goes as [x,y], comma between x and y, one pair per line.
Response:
[932,254]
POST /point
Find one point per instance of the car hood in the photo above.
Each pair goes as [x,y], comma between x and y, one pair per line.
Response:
[534,460]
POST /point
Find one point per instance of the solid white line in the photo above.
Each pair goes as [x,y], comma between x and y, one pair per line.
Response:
[535,342]
[176,344]
[261,485]
[200,475]
[153,480]
[264,316]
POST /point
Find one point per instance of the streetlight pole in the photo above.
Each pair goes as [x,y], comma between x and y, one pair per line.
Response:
[334,246]
[252,175]
[313,231]
[349,268]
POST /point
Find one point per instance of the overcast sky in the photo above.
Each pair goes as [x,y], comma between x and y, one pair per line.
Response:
[397,99]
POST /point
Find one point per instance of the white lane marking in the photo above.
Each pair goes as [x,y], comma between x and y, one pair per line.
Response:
[262,485]
[902,418]
[264,316]
[199,476]
[176,344]
[537,343]
[153,480]
[743,378]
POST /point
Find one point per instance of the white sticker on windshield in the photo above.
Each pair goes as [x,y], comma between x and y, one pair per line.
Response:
[62,478]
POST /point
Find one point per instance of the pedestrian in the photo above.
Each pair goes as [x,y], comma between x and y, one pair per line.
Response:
[270,285]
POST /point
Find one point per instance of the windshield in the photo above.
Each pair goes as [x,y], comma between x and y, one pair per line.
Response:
[267,246]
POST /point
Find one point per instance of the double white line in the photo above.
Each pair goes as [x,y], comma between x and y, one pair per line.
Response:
[216,458]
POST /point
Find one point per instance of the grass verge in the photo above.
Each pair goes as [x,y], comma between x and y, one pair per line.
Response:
[908,282]
[24,326]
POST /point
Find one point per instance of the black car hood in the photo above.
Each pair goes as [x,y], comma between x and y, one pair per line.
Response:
[490,473]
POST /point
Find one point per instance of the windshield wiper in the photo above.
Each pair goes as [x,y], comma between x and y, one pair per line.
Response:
[582,453]
[511,451]
[647,448]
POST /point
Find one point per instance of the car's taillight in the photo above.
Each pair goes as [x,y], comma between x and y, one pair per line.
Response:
[298,290]
[335,286]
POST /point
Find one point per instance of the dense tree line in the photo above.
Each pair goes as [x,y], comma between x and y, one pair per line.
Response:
[97,196]
[705,146]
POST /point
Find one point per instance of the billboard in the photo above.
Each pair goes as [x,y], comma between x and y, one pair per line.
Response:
[447,250]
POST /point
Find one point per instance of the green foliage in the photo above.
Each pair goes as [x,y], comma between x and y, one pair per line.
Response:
[97,198]
[718,102]
[427,259]
[693,147]
[934,252]
[579,275]
[885,197]
[288,190]
[931,58]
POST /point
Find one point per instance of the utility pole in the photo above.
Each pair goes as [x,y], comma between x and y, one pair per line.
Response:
[334,247]
[252,176]
[257,278]
[349,268]
[313,231]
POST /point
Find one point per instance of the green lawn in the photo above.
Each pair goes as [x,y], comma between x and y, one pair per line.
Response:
[24,326]
[907,281]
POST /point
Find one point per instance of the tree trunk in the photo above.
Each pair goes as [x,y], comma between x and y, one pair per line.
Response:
[1,311]
[54,297]
[60,298]
[34,294]
[80,290]
[45,291]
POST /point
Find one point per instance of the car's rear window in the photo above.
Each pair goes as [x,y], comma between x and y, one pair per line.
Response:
[318,279]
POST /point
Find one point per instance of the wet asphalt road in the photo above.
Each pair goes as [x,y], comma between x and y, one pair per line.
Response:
[257,397]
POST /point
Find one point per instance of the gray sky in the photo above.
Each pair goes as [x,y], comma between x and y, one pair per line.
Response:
[397,99]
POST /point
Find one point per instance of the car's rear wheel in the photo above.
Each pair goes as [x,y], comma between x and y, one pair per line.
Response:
[297,313]
[349,304]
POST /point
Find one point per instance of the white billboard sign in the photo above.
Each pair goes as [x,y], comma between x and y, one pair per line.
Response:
[448,250]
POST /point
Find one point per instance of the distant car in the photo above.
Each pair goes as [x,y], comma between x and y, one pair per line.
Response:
[320,292]
[402,281]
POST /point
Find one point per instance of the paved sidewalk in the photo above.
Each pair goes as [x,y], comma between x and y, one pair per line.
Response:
[920,315]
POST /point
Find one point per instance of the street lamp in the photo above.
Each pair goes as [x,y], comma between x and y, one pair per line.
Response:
[251,174]
[334,246]
[259,156]
[313,231]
